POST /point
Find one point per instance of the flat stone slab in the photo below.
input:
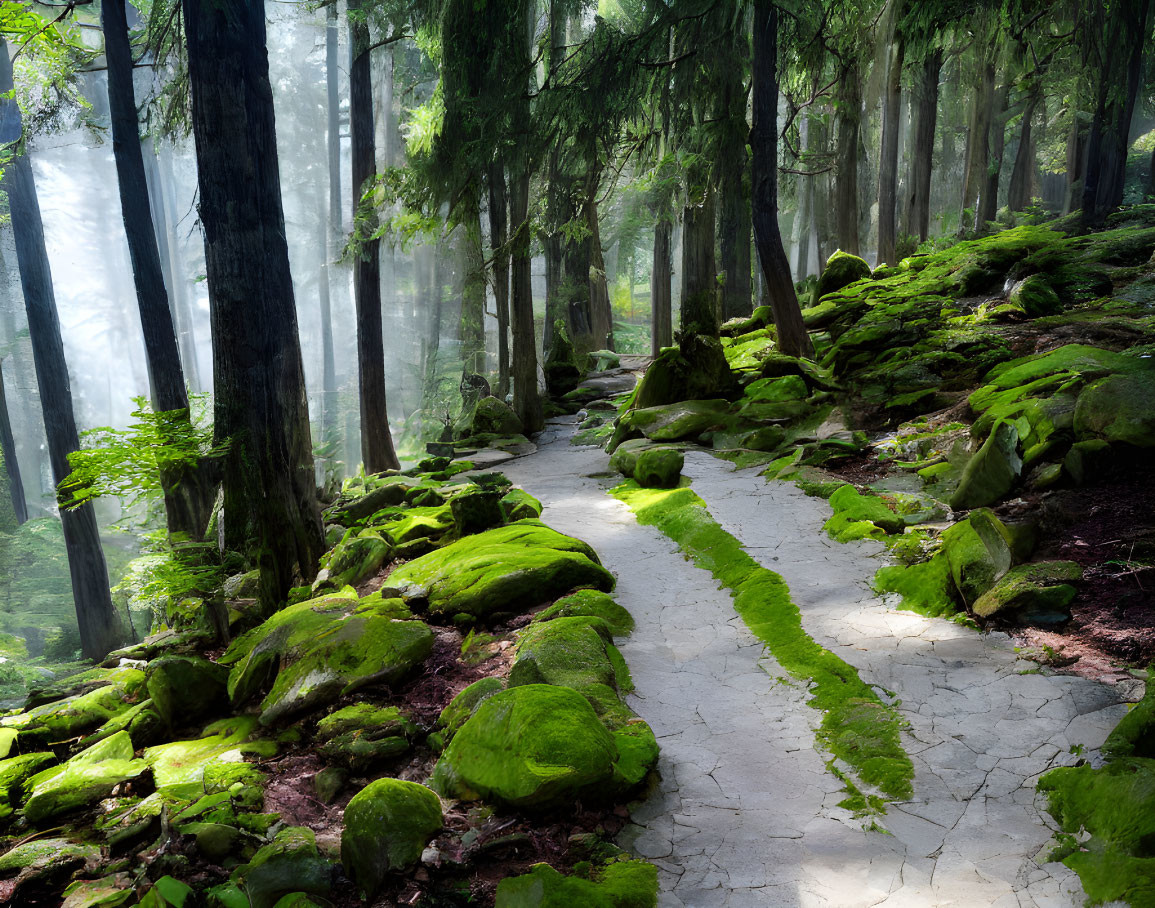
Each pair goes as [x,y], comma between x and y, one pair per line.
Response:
[746,812]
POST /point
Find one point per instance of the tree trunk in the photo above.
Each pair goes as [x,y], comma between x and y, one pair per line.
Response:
[11,463]
[699,273]
[555,302]
[1151,176]
[258,378]
[1111,128]
[526,399]
[1021,190]
[888,156]
[734,205]
[846,182]
[922,154]
[333,226]
[601,310]
[1076,159]
[823,228]
[377,451]
[978,141]
[498,238]
[472,324]
[997,136]
[661,277]
[805,205]
[188,493]
[792,336]
[100,627]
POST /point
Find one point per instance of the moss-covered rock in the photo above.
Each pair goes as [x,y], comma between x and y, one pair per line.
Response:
[476,510]
[210,764]
[518,504]
[504,570]
[1031,594]
[761,317]
[979,551]
[391,491]
[1037,375]
[79,714]
[184,689]
[694,370]
[992,472]
[361,735]
[623,884]
[352,561]
[14,772]
[858,516]
[387,826]
[562,371]
[48,859]
[1119,409]
[1035,296]
[311,653]
[290,863]
[492,416]
[534,747]
[684,419]
[591,604]
[571,652]
[659,468]
[842,269]
[88,777]
[465,704]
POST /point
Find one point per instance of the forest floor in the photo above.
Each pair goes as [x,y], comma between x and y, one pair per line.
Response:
[747,809]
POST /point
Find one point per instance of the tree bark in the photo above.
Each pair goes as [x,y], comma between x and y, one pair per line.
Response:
[601,310]
[888,156]
[846,182]
[699,273]
[1111,127]
[333,225]
[498,238]
[100,627]
[258,379]
[922,154]
[188,493]
[471,328]
[734,225]
[989,204]
[661,278]
[792,336]
[1021,190]
[11,462]
[978,140]
[377,451]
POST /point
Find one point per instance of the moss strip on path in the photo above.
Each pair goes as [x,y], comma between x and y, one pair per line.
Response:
[857,728]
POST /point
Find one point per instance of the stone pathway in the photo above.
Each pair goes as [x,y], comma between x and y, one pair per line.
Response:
[746,812]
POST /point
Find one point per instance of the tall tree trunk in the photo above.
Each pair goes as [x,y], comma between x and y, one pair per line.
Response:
[377,451]
[1021,190]
[181,289]
[100,627]
[601,310]
[11,462]
[472,324]
[333,225]
[888,156]
[792,336]
[823,228]
[498,238]
[997,137]
[1076,159]
[661,278]
[805,205]
[258,377]
[978,138]
[922,153]
[526,399]
[1111,127]
[555,301]
[699,273]
[734,205]
[188,492]
[846,180]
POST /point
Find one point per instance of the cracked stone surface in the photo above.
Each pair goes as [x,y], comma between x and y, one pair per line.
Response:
[746,812]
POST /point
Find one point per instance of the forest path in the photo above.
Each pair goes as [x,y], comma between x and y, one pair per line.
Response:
[746,812]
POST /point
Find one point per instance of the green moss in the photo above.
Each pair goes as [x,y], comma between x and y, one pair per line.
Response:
[1119,409]
[659,468]
[592,603]
[858,516]
[88,777]
[387,826]
[185,769]
[856,726]
[925,587]
[508,569]
[1032,594]
[464,705]
[14,772]
[623,884]
[841,270]
[518,504]
[290,863]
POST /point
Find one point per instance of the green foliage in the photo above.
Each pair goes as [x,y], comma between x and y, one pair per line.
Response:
[127,464]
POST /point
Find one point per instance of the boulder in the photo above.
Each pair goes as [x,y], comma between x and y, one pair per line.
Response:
[476,510]
[81,713]
[570,652]
[210,763]
[509,569]
[492,416]
[352,561]
[14,772]
[361,735]
[290,863]
[842,269]
[535,747]
[1031,594]
[1087,459]
[518,504]
[694,370]
[387,826]
[1119,409]
[979,551]
[88,777]
[184,689]
[765,438]
[311,653]
[659,468]
[992,472]
[591,604]
[622,884]
[857,515]
[1035,296]
[673,422]
[393,491]
[465,704]
[562,373]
